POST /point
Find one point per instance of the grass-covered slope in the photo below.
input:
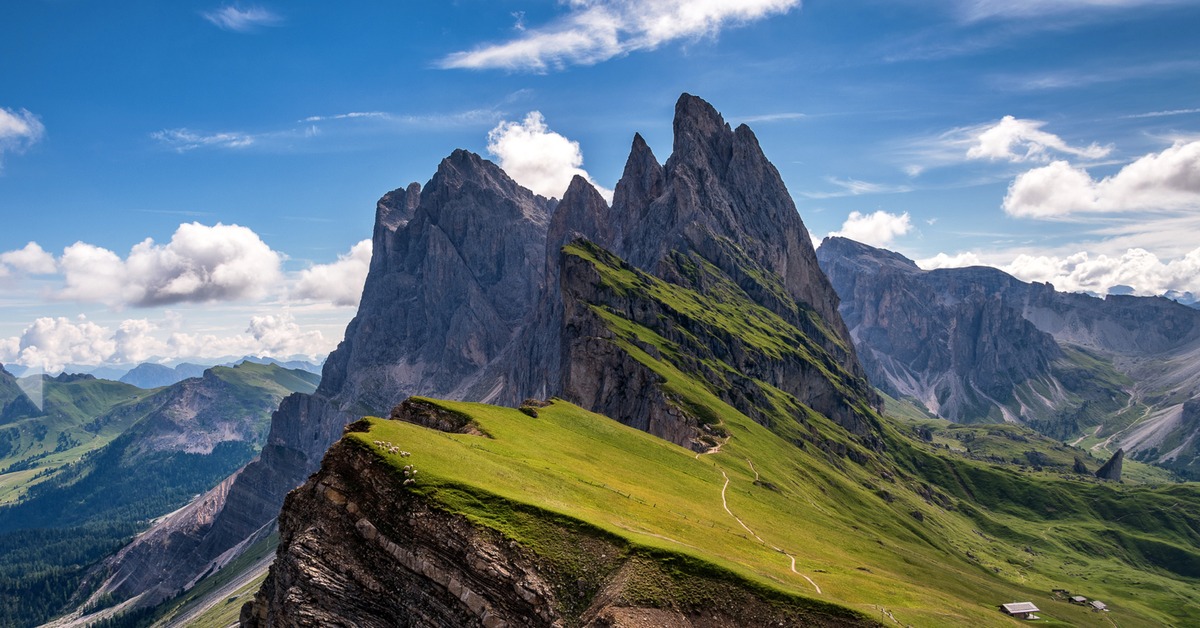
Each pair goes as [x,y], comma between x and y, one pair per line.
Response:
[881,521]
[78,415]
[867,542]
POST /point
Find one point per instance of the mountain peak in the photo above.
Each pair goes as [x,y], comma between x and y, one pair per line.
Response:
[642,180]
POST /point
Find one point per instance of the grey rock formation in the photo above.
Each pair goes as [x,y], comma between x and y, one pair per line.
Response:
[976,344]
[1111,470]
[467,298]
[456,268]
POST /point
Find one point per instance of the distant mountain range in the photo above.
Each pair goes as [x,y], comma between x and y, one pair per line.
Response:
[977,345]
[153,374]
[86,471]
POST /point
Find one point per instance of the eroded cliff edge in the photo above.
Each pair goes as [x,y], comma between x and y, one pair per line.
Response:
[359,548]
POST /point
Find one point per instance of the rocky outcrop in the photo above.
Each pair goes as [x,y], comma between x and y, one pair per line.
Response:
[1111,470]
[358,549]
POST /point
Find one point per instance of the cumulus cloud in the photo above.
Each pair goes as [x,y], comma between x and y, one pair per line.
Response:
[593,31]
[1139,269]
[1168,180]
[52,343]
[232,18]
[942,260]
[877,229]
[340,282]
[1013,139]
[538,158]
[199,264]
[31,260]
[19,129]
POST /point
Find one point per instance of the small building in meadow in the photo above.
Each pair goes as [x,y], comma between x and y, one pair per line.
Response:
[1020,610]
[1079,599]
[1097,605]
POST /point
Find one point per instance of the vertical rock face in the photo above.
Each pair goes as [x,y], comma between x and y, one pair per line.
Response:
[456,267]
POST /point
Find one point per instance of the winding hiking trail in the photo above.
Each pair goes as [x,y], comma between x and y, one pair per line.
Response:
[725,505]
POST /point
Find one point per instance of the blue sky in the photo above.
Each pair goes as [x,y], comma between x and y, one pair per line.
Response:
[249,142]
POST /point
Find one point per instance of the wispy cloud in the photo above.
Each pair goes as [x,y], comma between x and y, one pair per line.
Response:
[855,187]
[232,18]
[979,10]
[311,128]
[774,117]
[347,116]
[19,129]
[183,140]
[593,31]
[450,119]
[1161,114]
[1076,78]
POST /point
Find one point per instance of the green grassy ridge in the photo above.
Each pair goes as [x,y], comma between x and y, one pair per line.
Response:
[572,456]
[862,549]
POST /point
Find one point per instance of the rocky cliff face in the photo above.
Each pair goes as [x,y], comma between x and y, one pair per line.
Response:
[455,268]
[974,344]
[358,549]
[468,298]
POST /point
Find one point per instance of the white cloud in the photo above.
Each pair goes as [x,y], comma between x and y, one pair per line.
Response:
[183,140]
[877,229]
[942,260]
[19,129]
[199,264]
[340,282]
[1013,139]
[52,343]
[281,336]
[31,259]
[1165,181]
[597,30]
[538,158]
[231,18]
[1137,268]
[134,342]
